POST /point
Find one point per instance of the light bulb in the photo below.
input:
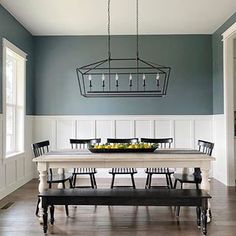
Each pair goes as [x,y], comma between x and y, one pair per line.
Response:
[117,77]
[158,76]
[103,77]
[90,77]
[130,77]
[144,77]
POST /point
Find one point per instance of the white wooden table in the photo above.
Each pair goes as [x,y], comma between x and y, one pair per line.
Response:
[82,158]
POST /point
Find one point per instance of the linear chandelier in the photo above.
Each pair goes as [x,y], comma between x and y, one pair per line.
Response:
[123,77]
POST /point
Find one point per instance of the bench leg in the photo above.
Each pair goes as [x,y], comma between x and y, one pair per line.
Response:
[45,219]
[198,210]
[204,216]
[204,222]
[52,214]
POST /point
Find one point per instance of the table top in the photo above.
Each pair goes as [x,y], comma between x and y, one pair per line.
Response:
[72,155]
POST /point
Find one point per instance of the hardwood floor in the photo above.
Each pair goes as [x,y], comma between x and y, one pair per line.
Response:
[19,220]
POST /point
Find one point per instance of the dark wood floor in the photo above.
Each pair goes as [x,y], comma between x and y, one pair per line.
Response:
[19,218]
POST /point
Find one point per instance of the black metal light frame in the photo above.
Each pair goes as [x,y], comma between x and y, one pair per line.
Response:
[109,72]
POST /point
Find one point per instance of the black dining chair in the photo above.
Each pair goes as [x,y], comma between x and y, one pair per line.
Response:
[194,178]
[123,171]
[83,144]
[39,149]
[163,143]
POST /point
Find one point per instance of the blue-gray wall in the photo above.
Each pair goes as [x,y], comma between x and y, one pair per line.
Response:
[13,31]
[217,50]
[190,87]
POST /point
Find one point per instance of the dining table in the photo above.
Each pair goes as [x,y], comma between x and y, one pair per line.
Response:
[76,158]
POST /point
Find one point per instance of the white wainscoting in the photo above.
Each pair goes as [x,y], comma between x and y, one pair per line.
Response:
[185,129]
[219,136]
[16,171]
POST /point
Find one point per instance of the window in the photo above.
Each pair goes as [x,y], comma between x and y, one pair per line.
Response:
[14,66]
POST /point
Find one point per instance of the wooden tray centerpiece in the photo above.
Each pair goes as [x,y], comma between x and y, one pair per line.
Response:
[123,148]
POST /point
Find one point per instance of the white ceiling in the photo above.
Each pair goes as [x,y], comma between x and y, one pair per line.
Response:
[89,17]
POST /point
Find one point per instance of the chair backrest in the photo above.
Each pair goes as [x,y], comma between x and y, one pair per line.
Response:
[40,148]
[122,140]
[163,142]
[83,143]
[205,147]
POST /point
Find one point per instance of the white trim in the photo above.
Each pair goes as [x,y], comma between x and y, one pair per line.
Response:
[6,43]
[228,39]
[122,117]
[229,32]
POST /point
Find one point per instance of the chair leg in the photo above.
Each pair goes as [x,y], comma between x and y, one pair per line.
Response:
[150,181]
[91,180]
[74,180]
[167,181]
[70,182]
[197,186]
[133,183]
[170,181]
[177,211]
[113,180]
[178,207]
[147,181]
[175,184]
[94,181]
[67,210]
[37,207]
[66,206]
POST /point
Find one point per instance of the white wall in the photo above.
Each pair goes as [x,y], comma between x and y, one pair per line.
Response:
[16,171]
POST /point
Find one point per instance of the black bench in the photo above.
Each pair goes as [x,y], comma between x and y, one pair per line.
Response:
[127,197]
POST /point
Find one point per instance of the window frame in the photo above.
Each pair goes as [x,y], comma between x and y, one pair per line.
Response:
[8,45]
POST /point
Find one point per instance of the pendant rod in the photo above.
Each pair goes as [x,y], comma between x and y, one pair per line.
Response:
[137,33]
[137,44]
[109,41]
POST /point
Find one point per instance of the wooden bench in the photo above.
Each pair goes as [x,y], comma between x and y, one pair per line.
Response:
[126,197]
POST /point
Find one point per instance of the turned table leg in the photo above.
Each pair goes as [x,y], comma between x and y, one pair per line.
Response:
[42,186]
[206,186]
